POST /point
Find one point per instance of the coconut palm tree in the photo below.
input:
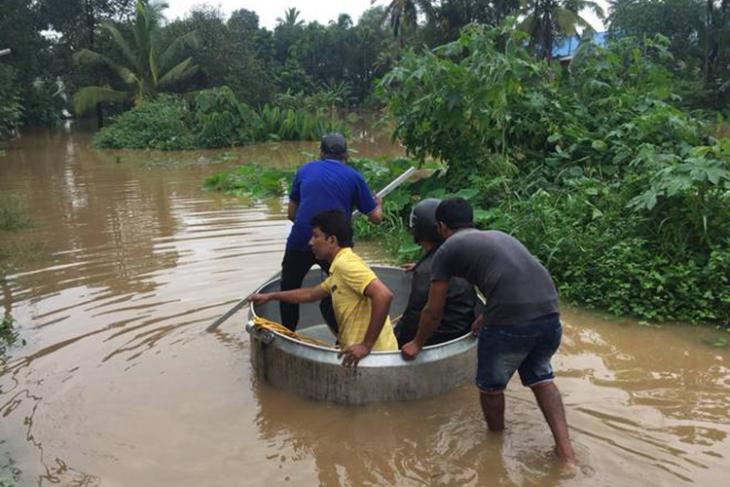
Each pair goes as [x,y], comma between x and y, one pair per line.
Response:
[291,18]
[402,13]
[547,19]
[145,67]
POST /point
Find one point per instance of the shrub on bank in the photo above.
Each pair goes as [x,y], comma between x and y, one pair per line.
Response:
[623,195]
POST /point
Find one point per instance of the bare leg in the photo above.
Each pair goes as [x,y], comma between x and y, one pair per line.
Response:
[548,398]
[493,409]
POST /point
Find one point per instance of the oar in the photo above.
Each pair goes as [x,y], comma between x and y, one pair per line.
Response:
[228,314]
[391,186]
[381,194]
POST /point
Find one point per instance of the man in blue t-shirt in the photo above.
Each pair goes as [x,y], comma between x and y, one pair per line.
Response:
[326,184]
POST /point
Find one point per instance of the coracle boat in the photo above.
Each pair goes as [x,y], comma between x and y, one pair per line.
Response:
[307,363]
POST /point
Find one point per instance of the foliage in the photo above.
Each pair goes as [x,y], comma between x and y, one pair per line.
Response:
[10,107]
[235,52]
[8,335]
[220,120]
[144,66]
[12,216]
[699,38]
[625,197]
[251,180]
[277,123]
[160,124]
[214,118]
[546,20]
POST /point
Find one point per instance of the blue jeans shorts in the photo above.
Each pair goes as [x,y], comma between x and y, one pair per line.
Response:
[502,350]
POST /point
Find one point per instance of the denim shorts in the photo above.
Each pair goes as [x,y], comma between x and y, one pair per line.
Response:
[502,350]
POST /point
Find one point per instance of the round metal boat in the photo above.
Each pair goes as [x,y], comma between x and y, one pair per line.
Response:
[316,371]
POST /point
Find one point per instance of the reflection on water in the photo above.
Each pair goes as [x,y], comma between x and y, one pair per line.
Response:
[119,384]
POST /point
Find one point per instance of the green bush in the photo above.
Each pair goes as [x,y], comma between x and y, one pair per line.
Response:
[624,196]
[220,120]
[160,124]
[215,118]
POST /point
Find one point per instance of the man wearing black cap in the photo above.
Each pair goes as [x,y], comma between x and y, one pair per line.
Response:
[321,185]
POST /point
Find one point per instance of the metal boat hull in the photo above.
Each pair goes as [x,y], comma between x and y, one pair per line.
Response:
[316,372]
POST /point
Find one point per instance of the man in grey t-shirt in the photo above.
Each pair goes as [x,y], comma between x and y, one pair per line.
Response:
[521,323]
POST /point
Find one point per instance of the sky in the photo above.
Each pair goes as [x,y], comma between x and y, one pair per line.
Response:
[320,10]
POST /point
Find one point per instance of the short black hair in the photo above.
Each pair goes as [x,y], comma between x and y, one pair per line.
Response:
[455,213]
[334,222]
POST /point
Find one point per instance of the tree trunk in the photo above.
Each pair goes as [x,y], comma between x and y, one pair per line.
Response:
[91,26]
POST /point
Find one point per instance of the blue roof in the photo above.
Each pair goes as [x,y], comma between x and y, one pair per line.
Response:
[568,46]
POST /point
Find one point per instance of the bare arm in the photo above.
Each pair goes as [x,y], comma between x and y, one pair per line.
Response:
[376,216]
[430,318]
[295,296]
[291,210]
[380,299]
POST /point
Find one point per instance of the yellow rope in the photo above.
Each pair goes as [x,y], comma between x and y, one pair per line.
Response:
[279,328]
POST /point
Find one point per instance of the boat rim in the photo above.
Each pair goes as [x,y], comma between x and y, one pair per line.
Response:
[277,277]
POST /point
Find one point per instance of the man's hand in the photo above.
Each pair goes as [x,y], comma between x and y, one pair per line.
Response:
[410,350]
[477,324]
[353,354]
[259,299]
[408,267]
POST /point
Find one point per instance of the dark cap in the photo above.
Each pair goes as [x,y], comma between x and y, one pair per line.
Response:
[333,143]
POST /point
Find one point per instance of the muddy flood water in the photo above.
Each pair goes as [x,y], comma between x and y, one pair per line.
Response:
[118,383]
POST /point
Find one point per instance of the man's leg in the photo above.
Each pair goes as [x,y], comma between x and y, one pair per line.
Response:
[294,267]
[536,373]
[551,404]
[493,409]
[498,356]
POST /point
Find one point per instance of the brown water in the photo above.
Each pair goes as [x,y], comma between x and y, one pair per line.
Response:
[119,384]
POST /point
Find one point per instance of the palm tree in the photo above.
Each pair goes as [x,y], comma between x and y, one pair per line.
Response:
[291,18]
[145,67]
[546,19]
[402,13]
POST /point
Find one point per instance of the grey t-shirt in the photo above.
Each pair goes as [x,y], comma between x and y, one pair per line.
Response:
[517,287]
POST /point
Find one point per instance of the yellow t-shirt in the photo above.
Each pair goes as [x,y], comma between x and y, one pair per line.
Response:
[348,279]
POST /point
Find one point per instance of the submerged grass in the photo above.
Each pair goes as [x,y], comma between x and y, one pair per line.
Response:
[8,335]
[251,180]
[12,216]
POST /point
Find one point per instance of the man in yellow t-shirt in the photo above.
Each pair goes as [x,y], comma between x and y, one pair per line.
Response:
[361,301]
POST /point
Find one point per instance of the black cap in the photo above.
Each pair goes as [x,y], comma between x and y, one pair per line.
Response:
[333,143]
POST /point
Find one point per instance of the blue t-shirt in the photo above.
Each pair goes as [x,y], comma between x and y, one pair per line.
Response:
[325,185]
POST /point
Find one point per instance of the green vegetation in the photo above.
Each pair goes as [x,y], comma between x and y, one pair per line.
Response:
[10,109]
[144,66]
[251,180]
[160,124]
[129,54]
[214,118]
[8,335]
[12,216]
[698,32]
[622,195]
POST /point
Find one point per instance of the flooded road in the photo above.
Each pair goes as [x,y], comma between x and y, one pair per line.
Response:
[118,384]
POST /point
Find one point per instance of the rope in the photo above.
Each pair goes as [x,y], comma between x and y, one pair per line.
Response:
[279,328]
